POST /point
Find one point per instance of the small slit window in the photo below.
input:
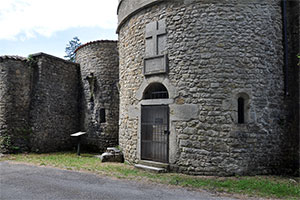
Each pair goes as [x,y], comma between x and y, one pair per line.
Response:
[156,91]
[102,115]
[241,110]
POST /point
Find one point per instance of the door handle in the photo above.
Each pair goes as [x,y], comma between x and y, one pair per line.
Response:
[166,132]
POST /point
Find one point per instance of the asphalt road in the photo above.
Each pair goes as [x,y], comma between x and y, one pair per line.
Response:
[19,181]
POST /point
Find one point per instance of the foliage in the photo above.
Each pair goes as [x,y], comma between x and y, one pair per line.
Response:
[257,186]
[5,142]
[8,139]
[31,60]
[71,47]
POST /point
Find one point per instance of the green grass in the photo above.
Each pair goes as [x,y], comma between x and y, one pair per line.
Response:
[257,186]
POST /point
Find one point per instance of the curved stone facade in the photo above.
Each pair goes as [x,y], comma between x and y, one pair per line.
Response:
[127,8]
[217,53]
[100,98]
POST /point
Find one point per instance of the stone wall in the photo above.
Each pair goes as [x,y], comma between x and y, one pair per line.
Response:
[292,153]
[39,103]
[42,104]
[100,97]
[217,52]
[15,85]
[54,113]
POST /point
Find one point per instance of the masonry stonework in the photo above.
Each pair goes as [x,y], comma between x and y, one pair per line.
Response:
[54,112]
[15,89]
[204,87]
[217,52]
[39,103]
[292,149]
[100,97]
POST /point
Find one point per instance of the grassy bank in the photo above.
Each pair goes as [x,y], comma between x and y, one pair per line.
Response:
[257,186]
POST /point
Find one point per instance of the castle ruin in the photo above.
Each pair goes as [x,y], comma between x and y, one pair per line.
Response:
[201,86]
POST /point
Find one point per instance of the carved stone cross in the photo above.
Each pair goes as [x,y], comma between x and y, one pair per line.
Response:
[155,41]
[156,60]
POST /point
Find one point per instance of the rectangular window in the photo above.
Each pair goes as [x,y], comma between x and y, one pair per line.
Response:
[102,115]
[241,111]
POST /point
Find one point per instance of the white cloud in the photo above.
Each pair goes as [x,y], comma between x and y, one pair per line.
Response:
[23,19]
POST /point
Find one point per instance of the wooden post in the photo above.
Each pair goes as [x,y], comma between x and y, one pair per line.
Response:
[78,146]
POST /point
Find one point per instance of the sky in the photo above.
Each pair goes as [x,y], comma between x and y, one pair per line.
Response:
[32,26]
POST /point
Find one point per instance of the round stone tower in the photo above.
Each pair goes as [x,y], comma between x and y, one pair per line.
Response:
[100,97]
[201,84]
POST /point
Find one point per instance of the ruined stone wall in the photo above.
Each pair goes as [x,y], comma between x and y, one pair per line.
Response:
[39,103]
[15,85]
[54,113]
[217,52]
[100,98]
[292,99]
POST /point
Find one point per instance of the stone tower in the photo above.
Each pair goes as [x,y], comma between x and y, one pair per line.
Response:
[202,85]
[100,97]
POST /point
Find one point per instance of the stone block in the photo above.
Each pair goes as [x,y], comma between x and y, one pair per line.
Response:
[156,65]
[112,155]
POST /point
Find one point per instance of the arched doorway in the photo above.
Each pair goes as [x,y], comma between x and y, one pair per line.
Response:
[155,125]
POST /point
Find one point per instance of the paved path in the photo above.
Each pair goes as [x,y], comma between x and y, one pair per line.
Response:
[18,181]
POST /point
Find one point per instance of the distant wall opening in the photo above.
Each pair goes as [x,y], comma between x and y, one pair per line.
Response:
[102,115]
[241,110]
[242,103]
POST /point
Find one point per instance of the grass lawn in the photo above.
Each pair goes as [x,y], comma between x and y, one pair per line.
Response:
[255,186]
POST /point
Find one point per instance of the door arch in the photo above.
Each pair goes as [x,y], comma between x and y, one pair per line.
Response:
[155,126]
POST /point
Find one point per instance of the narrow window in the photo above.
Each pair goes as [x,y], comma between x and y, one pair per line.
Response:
[241,110]
[102,115]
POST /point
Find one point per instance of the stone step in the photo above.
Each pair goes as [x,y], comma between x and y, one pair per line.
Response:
[150,168]
[154,164]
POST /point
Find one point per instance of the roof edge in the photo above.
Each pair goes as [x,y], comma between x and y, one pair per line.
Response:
[13,57]
[122,18]
[94,42]
[51,56]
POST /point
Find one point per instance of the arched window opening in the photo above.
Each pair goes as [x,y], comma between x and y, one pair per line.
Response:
[156,91]
[241,110]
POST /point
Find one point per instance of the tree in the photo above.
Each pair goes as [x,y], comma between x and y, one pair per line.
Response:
[71,47]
